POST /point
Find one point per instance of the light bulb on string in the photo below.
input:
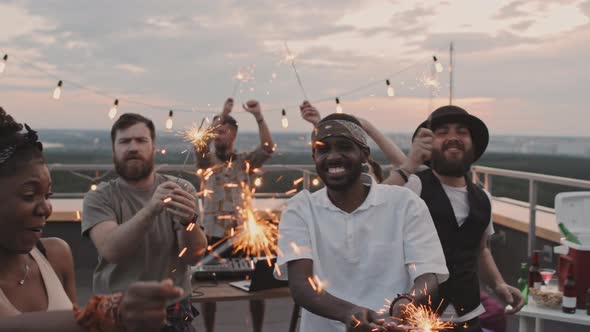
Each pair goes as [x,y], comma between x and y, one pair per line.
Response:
[114,109]
[258,182]
[437,65]
[390,91]
[170,122]
[57,91]
[93,186]
[284,120]
[3,63]
[315,182]
[338,106]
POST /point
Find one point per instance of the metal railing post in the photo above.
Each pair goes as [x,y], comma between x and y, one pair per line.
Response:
[487,182]
[532,216]
[306,180]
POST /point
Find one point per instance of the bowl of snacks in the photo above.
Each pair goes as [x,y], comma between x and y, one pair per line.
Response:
[546,297]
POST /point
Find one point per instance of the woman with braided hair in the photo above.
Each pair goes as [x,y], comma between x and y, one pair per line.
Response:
[37,282]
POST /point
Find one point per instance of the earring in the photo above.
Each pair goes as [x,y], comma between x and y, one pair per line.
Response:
[365,167]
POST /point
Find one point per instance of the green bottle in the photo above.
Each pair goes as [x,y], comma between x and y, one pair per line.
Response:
[568,235]
[523,282]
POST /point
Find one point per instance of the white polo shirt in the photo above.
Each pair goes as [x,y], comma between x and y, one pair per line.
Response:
[365,256]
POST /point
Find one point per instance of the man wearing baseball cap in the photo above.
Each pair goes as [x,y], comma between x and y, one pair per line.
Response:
[452,140]
[348,246]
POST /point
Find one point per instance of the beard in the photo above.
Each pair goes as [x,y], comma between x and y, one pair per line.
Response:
[354,172]
[453,168]
[134,169]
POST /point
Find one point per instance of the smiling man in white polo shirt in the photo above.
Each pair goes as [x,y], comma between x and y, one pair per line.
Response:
[360,241]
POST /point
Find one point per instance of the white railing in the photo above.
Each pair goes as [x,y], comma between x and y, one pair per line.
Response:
[533,179]
[308,171]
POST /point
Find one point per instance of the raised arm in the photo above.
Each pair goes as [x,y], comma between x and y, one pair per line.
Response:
[203,155]
[309,113]
[266,143]
[420,152]
[392,152]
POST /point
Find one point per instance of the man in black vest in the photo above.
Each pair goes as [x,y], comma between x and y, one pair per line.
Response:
[452,140]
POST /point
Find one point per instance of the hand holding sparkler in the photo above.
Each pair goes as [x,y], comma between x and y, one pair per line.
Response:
[421,150]
[365,320]
[310,113]
[172,197]
[253,107]
[182,206]
[227,107]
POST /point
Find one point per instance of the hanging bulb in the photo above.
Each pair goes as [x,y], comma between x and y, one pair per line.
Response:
[93,186]
[114,109]
[284,120]
[3,63]
[390,91]
[338,106]
[437,65]
[315,182]
[57,91]
[258,182]
[169,122]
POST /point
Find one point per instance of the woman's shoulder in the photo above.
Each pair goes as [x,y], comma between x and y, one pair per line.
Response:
[58,253]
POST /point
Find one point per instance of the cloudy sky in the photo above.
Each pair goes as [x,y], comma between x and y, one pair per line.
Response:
[522,66]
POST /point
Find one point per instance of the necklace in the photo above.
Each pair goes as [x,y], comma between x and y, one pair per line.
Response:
[22,281]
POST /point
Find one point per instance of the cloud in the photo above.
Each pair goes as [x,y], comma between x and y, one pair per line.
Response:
[522,25]
[469,42]
[134,69]
[512,10]
[185,54]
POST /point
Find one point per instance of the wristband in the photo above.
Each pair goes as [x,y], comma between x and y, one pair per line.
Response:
[101,314]
[399,297]
[401,173]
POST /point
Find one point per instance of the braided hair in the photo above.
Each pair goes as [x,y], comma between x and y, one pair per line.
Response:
[17,147]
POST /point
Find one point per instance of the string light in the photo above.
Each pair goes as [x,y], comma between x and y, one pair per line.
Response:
[315,182]
[338,106]
[170,122]
[57,91]
[3,63]
[339,109]
[93,186]
[258,182]
[390,91]
[284,120]
[437,65]
[114,109]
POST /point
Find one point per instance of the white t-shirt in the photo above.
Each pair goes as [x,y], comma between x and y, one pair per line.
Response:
[458,198]
[365,256]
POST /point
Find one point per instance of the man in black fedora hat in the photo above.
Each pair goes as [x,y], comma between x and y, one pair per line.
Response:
[452,140]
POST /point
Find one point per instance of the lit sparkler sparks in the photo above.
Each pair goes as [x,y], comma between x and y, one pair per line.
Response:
[198,136]
[430,82]
[423,319]
[316,284]
[258,232]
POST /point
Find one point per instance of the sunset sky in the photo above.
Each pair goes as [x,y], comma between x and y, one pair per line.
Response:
[522,66]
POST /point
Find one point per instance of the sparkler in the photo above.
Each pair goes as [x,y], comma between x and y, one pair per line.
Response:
[422,318]
[198,136]
[258,233]
[291,58]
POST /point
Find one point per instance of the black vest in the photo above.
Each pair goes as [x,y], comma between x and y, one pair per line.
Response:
[461,245]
